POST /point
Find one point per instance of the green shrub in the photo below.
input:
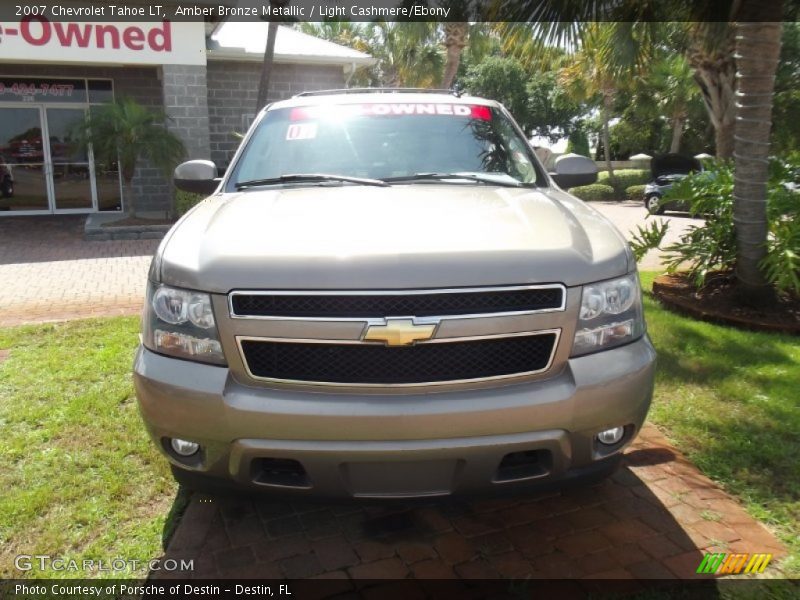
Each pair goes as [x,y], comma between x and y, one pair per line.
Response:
[624,178]
[595,191]
[578,142]
[712,246]
[185,200]
[635,192]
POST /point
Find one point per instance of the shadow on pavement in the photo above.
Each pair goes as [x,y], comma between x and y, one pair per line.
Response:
[625,529]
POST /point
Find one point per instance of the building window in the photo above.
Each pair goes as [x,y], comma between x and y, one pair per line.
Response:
[39,171]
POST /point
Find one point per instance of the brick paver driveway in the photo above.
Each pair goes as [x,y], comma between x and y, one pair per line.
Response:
[653,519]
[49,273]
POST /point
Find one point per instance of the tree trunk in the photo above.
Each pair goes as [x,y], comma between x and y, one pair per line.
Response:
[715,74]
[757,51]
[677,134]
[717,85]
[604,115]
[455,41]
[451,66]
[393,78]
[129,196]
[724,138]
[266,66]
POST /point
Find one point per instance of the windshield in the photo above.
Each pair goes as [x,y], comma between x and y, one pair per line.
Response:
[388,141]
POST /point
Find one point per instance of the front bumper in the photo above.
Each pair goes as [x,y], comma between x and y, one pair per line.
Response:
[368,445]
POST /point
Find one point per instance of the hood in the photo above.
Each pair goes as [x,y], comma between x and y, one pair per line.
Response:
[674,164]
[399,237]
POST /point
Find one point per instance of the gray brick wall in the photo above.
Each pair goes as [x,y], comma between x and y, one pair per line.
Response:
[233,90]
[185,102]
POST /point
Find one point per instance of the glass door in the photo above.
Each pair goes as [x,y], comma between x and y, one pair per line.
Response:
[23,169]
[70,167]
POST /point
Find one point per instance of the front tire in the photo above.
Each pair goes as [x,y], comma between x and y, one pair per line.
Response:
[7,188]
[653,204]
[201,483]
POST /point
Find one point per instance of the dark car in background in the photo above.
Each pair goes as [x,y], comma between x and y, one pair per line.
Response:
[6,178]
[668,169]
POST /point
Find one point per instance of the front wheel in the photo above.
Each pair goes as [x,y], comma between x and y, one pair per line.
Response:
[204,484]
[653,205]
[7,188]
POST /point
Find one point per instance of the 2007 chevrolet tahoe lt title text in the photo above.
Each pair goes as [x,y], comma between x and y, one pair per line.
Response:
[387,296]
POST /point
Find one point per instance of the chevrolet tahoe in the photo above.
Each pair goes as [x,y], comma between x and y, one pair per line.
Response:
[386,296]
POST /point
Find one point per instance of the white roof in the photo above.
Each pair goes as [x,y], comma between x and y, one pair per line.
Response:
[234,40]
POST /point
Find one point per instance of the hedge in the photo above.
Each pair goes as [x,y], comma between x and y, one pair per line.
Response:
[185,200]
[635,192]
[625,178]
[595,191]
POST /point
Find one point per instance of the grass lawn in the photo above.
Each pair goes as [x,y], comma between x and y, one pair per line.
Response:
[79,476]
[730,400]
[81,480]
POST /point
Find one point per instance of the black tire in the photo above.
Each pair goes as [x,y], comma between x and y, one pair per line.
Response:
[7,188]
[652,204]
[203,484]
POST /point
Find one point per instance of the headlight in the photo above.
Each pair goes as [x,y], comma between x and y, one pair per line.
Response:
[610,315]
[181,323]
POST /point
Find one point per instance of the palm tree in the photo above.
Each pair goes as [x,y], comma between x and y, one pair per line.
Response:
[706,42]
[125,132]
[758,43]
[352,35]
[482,42]
[708,47]
[408,54]
[345,33]
[269,57]
[590,74]
[456,35]
[673,86]
[757,47]
[266,66]
[594,60]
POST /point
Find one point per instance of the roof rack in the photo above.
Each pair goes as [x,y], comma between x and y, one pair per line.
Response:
[391,90]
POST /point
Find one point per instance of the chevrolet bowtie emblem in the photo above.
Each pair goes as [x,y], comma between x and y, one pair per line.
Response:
[399,332]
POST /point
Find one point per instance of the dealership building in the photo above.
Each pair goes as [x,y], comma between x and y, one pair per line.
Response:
[203,75]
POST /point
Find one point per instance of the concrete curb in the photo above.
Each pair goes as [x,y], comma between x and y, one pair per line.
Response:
[97,229]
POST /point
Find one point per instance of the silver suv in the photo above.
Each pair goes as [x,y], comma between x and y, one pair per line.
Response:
[387,296]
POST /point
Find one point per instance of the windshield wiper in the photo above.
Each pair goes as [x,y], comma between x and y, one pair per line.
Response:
[441,176]
[308,177]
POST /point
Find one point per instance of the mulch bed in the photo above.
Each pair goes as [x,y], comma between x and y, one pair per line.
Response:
[716,302]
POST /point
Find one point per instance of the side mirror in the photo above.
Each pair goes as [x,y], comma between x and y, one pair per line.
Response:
[197,177]
[573,170]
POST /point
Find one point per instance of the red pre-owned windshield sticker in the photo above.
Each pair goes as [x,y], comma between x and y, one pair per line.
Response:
[391,109]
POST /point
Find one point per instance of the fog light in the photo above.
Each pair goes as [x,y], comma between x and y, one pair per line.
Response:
[611,436]
[184,447]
